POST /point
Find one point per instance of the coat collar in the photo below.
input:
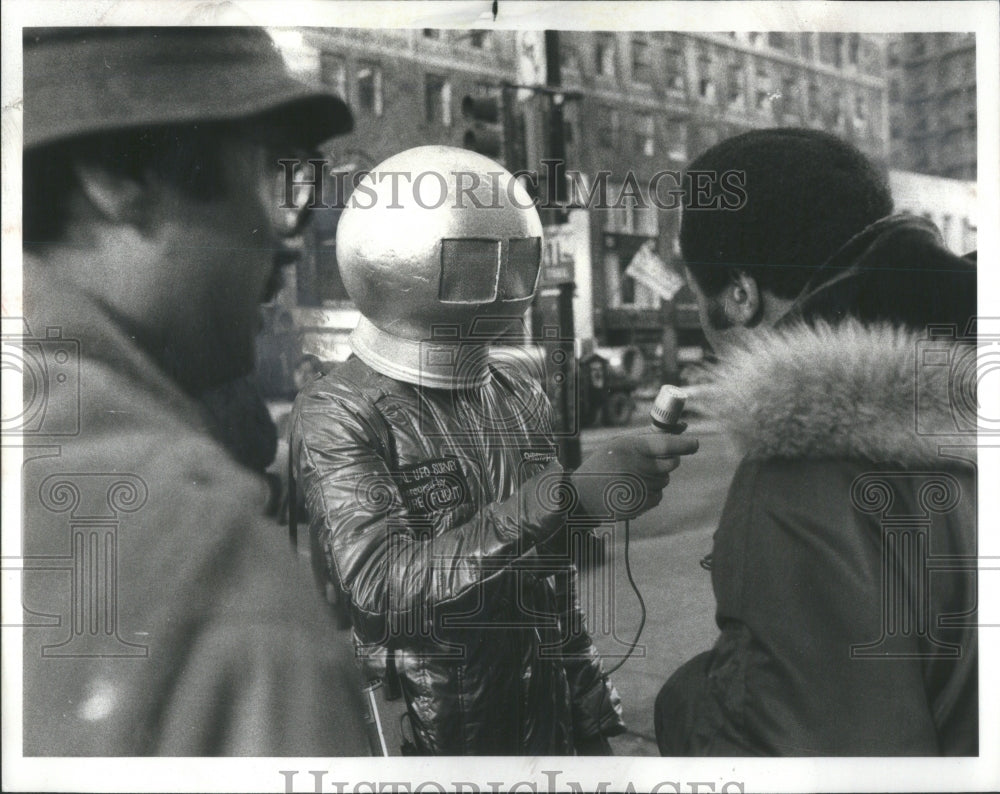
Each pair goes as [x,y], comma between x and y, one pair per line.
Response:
[120,382]
[840,391]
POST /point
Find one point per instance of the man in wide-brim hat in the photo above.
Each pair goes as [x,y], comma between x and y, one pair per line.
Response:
[151,233]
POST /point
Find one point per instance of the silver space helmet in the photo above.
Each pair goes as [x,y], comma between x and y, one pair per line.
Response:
[439,248]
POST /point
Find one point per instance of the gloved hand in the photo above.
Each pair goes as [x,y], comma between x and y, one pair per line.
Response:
[626,476]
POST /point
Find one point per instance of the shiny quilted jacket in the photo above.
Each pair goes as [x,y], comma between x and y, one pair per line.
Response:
[440,517]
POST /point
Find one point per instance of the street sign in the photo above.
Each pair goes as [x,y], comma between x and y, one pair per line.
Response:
[559,255]
[648,269]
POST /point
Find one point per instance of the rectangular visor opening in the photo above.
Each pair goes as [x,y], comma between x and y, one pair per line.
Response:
[470,269]
[520,272]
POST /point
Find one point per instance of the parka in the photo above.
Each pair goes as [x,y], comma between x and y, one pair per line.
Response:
[844,563]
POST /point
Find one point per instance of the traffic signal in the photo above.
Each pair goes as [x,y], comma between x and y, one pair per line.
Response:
[484,125]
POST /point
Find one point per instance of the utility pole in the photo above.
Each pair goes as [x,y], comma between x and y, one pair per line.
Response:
[555,299]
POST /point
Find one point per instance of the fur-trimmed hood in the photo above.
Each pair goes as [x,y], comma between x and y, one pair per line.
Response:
[842,391]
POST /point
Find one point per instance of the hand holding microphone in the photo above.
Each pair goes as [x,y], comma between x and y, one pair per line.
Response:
[642,459]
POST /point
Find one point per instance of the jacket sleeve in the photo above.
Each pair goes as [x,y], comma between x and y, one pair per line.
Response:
[597,707]
[797,579]
[396,577]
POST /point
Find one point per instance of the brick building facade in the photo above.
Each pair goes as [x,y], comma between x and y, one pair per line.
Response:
[634,103]
[932,92]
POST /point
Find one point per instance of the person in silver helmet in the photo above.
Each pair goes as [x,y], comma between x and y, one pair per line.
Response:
[430,478]
[175,618]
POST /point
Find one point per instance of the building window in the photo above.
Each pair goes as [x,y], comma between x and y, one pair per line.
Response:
[618,219]
[776,40]
[623,290]
[894,93]
[871,61]
[853,49]
[830,49]
[706,79]
[708,135]
[812,101]
[477,38]
[675,71]
[641,70]
[437,100]
[860,113]
[835,115]
[736,84]
[645,134]
[676,139]
[569,132]
[790,96]
[763,86]
[569,57]
[646,220]
[609,132]
[333,72]
[604,54]
[806,45]
[893,53]
[432,33]
[368,81]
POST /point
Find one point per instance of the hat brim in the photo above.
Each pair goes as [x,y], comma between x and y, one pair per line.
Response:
[86,81]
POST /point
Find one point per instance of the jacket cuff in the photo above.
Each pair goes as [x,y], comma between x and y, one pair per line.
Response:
[545,501]
[598,711]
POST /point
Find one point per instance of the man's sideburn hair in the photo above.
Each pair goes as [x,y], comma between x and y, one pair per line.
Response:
[188,157]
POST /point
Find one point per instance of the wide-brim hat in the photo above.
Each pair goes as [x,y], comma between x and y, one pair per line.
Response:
[82,81]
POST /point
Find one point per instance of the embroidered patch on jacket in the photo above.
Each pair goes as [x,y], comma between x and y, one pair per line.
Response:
[432,485]
[542,454]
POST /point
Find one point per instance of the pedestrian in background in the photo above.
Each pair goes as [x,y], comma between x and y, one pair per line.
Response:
[151,233]
[834,638]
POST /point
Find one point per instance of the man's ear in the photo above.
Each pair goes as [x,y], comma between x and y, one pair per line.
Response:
[117,199]
[741,300]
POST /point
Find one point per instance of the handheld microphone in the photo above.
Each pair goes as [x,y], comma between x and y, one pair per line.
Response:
[667,408]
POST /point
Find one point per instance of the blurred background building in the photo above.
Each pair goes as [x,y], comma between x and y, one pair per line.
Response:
[932,95]
[629,104]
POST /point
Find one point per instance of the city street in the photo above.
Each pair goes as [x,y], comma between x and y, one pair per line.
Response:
[665,547]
